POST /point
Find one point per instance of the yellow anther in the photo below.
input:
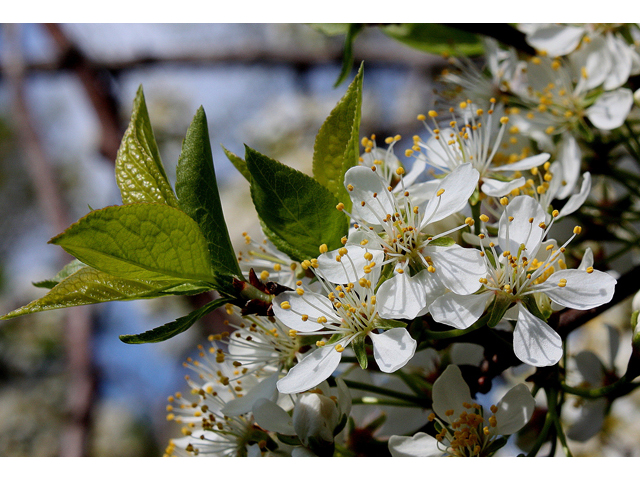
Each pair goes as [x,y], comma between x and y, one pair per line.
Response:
[323,248]
[449,412]
[321,320]
[433,113]
[293,333]
[439,192]
[264,275]
[422,117]
[463,105]
[368,256]
[504,120]
[589,269]
[562,282]
[431,268]
[299,291]
[397,138]
[577,230]
[342,251]
[320,343]
[407,153]
[350,187]
[482,280]
[285,305]
[340,206]
[388,140]
[339,348]
[542,225]
[484,218]
[504,201]
[400,270]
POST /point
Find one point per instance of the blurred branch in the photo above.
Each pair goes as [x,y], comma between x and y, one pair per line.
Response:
[95,80]
[77,321]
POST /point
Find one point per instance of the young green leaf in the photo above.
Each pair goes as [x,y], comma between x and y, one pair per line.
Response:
[70,268]
[198,195]
[139,171]
[435,38]
[497,309]
[239,163]
[295,207]
[360,351]
[171,329]
[88,286]
[347,52]
[336,147]
[140,241]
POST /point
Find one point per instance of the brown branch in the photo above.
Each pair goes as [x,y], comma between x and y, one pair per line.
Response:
[95,80]
[77,335]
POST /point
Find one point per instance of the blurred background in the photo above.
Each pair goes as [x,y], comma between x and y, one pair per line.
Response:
[68,386]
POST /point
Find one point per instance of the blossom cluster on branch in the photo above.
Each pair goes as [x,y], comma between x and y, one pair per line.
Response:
[383,299]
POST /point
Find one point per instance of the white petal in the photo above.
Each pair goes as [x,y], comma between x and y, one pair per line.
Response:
[590,367]
[590,421]
[556,40]
[459,311]
[514,410]
[309,303]
[420,445]
[498,188]
[458,186]
[416,169]
[365,183]
[596,60]
[403,296]
[393,349]
[350,267]
[535,342]
[576,200]
[512,234]
[272,417]
[298,452]
[312,370]
[583,290]
[621,65]
[266,389]
[587,259]
[569,157]
[524,164]
[421,193]
[458,268]
[611,109]
[450,391]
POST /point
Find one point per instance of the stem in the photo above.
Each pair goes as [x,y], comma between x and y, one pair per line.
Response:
[421,402]
[544,433]
[594,393]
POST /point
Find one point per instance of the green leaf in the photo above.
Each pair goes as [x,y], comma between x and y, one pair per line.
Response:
[239,163]
[140,241]
[70,268]
[88,286]
[435,38]
[331,29]
[171,329]
[294,206]
[198,195]
[360,350]
[498,308]
[336,148]
[347,52]
[139,171]
[442,242]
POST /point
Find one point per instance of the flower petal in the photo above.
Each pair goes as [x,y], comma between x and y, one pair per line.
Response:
[363,183]
[270,416]
[310,303]
[459,269]
[569,158]
[556,40]
[420,445]
[514,410]
[313,369]
[583,290]
[498,188]
[351,266]
[611,109]
[575,201]
[535,342]
[393,349]
[524,228]
[450,391]
[590,421]
[457,187]
[266,389]
[620,53]
[524,164]
[459,311]
[404,296]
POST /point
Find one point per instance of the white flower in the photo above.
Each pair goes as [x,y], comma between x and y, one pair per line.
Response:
[476,139]
[393,230]
[464,428]
[349,313]
[208,428]
[521,269]
[318,416]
